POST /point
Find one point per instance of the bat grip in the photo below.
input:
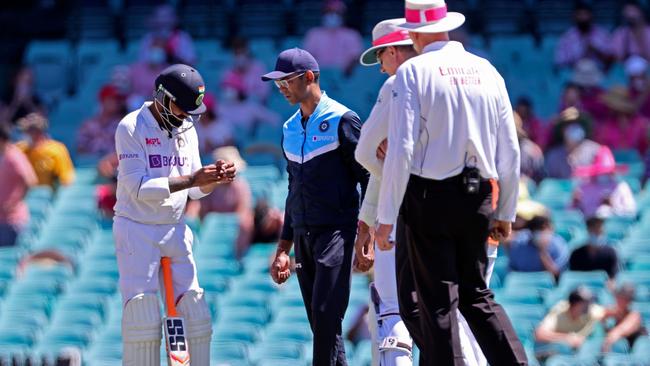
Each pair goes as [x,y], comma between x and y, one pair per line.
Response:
[166,266]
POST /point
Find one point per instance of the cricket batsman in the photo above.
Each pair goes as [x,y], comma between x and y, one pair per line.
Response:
[159,167]
[393,289]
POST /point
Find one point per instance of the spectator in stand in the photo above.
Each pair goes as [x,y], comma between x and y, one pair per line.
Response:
[633,36]
[622,127]
[17,177]
[97,134]
[243,113]
[213,130]
[233,197]
[596,254]
[583,40]
[532,157]
[106,194]
[627,323]
[333,44]
[538,248]
[601,193]
[49,158]
[569,323]
[570,147]
[176,44]
[527,209]
[248,70]
[636,69]
[588,77]
[22,99]
[144,72]
[534,127]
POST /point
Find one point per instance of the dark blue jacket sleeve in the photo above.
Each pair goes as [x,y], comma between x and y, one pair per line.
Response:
[287,229]
[349,131]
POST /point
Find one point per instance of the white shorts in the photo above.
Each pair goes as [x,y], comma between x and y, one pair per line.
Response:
[139,247]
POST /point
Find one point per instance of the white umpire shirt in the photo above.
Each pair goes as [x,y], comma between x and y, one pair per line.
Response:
[147,159]
[449,106]
[373,132]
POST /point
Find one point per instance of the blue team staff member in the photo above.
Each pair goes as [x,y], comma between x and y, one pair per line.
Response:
[323,202]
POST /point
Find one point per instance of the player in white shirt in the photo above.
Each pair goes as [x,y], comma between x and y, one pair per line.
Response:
[451,139]
[159,168]
[391,47]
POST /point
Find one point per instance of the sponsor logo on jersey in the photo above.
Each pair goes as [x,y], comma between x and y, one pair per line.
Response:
[159,161]
[127,156]
[152,141]
[323,138]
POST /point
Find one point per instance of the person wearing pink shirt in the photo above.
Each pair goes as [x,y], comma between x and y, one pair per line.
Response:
[633,37]
[248,70]
[623,127]
[96,134]
[601,193]
[583,40]
[333,44]
[17,177]
[536,130]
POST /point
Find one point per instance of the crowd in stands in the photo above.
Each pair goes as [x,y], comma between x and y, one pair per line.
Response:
[579,143]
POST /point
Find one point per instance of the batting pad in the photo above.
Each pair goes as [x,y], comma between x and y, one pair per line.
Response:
[141,331]
[193,308]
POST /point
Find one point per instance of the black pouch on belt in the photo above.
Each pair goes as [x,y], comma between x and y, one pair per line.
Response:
[471,180]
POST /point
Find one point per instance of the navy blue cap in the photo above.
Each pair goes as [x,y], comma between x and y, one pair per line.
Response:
[185,86]
[290,62]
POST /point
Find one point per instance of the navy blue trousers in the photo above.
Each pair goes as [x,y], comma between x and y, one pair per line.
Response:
[324,265]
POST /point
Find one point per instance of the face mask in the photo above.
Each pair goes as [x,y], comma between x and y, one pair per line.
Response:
[157,56]
[603,179]
[631,21]
[574,134]
[597,239]
[583,26]
[332,20]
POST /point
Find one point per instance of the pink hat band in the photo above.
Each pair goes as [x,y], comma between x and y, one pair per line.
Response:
[425,16]
[400,35]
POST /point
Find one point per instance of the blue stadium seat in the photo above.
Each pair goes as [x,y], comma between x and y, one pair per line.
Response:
[50,61]
[568,360]
[234,353]
[523,280]
[240,332]
[572,279]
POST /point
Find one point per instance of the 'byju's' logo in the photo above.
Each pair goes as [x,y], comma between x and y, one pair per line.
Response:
[155,161]
[324,126]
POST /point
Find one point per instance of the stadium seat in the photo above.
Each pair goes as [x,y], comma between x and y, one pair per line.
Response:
[572,279]
[50,61]
[253,316]
[614,359]
[568,360]
[240,332]
[281,332]
[524,280]
[275,349]
[234,353]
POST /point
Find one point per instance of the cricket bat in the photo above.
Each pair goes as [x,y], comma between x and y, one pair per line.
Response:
[178,353]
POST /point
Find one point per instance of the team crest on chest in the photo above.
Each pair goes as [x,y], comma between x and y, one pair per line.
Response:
[324,126]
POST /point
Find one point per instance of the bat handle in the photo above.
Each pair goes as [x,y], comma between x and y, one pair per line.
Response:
[166,266]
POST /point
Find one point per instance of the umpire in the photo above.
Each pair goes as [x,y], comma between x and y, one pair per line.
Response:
[322,207]
[451,138]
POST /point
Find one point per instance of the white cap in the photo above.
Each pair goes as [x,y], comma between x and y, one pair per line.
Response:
[385,34]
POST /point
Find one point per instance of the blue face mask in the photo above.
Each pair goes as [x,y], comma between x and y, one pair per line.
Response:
[596,239]
[574,134]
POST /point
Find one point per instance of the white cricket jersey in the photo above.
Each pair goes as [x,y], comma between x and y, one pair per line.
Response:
[373,132]
[449,104]
[147,158]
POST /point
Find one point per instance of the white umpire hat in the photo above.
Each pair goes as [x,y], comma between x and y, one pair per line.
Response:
[385,34]
[430,16]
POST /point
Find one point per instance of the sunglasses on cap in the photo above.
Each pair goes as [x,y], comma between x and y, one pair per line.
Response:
[285,83]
